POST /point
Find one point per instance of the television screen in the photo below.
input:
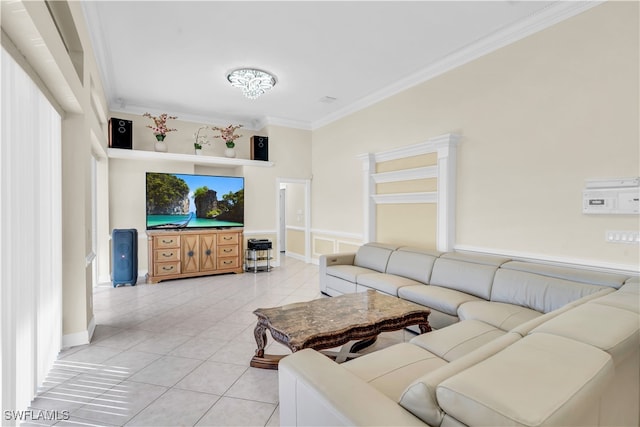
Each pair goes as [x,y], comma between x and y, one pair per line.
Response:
[194,201]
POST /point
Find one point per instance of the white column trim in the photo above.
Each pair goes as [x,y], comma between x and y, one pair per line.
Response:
[405,198]
[405,175]
[445,172]
[447,159]
[368,190]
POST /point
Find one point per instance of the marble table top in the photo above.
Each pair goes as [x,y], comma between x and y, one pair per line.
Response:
[329,322]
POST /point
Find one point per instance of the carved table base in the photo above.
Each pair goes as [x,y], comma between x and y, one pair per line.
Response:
[327,323]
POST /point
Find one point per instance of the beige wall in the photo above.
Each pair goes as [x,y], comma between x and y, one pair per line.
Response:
[289,150]
[537,119]
[77,93]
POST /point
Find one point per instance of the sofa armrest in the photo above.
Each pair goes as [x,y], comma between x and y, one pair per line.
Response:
[316,391]
[337,259]
[333,259]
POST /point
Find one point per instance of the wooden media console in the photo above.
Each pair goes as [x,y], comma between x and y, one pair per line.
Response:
[176,254]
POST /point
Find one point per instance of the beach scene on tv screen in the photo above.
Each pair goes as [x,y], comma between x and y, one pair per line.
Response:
[194,201]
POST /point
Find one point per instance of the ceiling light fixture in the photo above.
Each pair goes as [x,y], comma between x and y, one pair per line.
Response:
[253,82]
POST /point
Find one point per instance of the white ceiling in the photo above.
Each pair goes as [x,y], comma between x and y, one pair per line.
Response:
[173,56]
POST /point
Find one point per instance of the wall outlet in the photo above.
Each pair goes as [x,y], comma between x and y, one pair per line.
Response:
[632,237]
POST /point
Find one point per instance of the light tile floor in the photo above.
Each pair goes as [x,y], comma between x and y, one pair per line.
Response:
[177,353]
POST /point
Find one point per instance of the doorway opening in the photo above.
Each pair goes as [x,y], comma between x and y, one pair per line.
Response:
[294,218]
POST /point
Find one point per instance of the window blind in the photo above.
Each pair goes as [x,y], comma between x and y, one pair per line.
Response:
[30,236]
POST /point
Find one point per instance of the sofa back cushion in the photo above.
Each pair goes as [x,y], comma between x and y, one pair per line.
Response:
[524,328]
[471,274]
[579,275]
[374,256]
[412,263]
[627,297]
[540,292]
[419,397]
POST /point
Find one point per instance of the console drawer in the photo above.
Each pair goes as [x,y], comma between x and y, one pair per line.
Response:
[227,251]
[170,241]
[166,268]
[228,238]
[164,255]
[231,262]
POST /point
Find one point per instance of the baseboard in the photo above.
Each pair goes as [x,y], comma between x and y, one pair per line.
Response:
[79,338]
[294,255]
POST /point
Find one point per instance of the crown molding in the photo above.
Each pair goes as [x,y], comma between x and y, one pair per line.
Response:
[556,12]
[101,50]
[538,21]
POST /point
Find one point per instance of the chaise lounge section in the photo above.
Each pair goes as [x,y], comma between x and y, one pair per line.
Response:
[517,343]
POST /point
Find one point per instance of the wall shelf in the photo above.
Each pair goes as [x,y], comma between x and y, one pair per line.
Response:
[223,162]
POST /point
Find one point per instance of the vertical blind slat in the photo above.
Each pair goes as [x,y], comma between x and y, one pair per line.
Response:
[30,231]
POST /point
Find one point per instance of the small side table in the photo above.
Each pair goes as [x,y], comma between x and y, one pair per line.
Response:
[257,260]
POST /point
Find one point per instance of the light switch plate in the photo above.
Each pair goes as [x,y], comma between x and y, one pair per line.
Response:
[629,237]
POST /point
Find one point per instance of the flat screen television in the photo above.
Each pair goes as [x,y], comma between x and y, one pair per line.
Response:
[177,201]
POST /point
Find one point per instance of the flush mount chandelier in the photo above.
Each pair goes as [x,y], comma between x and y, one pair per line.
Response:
[253,82]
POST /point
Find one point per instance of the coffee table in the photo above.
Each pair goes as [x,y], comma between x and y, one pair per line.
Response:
[331,322]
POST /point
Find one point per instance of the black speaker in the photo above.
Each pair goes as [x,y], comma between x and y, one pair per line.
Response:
[259,148]
[120,133]
[124,260]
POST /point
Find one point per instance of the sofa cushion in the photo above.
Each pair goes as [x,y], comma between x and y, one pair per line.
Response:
[316,391]
[498,314]
[537,292]
[567,273]
[347,272]
[608,328]
[412,263]
[383,282]
[457,340]
[539,380]
[436,297]
[374,256]
[472,274]
[392,369]
[627,297]
[420,396]
[524,328]
[632,284]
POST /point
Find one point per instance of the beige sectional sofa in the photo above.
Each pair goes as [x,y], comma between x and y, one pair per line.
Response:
[515,343]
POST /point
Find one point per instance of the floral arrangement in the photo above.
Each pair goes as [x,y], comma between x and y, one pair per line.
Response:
[228,134]
[160,129]
[200,140]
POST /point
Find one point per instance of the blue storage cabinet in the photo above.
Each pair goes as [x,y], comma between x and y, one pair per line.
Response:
[124,256]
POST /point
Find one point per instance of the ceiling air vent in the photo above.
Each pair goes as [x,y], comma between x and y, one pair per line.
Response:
[328,99]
